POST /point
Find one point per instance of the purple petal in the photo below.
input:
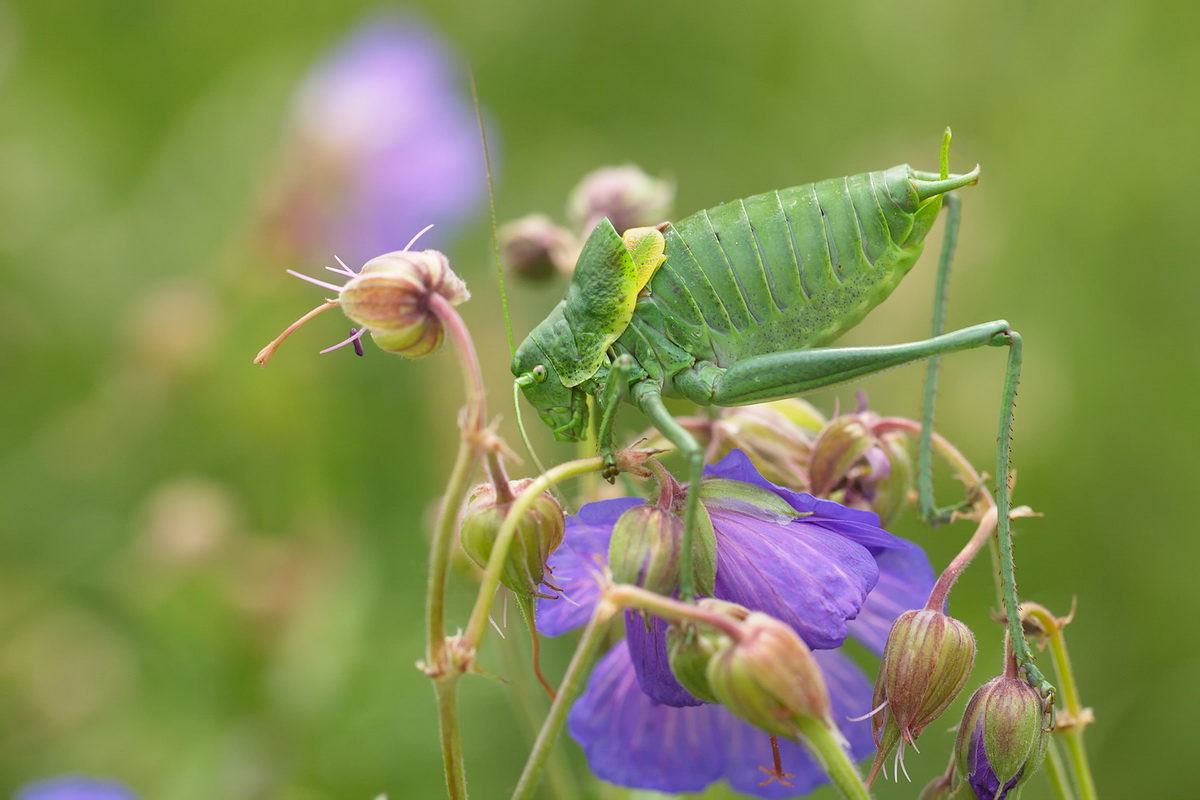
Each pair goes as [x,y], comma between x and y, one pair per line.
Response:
[804,574]
[575,567]
[648,652]
[631,740]
[905,580]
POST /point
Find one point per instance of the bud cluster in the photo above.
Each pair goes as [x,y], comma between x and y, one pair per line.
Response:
[535,248]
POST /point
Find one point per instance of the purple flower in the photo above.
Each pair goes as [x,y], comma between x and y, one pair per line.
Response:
[75,788]
[384,141]
[831,574]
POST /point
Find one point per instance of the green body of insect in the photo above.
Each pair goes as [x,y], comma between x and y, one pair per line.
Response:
[740,311]
[775,273]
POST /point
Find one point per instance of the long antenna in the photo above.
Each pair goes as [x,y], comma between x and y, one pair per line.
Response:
[487,160]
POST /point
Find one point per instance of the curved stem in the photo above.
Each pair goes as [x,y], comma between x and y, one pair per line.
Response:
[1076,717]
[983,534]
[572,682]
[628,596]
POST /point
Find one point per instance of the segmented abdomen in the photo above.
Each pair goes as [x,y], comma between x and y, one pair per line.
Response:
[787,269]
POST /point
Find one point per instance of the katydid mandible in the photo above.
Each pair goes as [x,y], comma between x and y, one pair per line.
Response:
[736,304]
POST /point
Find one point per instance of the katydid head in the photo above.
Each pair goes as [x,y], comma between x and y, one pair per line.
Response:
[563,408]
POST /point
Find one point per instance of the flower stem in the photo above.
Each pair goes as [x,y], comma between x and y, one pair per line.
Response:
[440,665]
[627,596]
[1057,772]
[445,687]
[572,683]
[827,749]
[1075,717]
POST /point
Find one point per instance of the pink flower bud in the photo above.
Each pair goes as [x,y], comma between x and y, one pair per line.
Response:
[390,297]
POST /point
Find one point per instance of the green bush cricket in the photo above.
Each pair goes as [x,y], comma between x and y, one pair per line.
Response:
[737,304]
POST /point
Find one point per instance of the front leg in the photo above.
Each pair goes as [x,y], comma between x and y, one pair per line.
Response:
[647,395]
[608,399]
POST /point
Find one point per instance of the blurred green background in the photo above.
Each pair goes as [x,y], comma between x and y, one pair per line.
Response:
[211,575]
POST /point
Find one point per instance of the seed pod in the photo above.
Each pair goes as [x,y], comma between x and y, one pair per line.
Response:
[539,532]
[390,297]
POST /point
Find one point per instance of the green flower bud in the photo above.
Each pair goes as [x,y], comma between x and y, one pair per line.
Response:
[390,297]
[626,195]
[534,248]
[645,547]
[538,533]
[691,646]
[860,468]
[777,437]
[926,663]
[1002,739]
[770,678]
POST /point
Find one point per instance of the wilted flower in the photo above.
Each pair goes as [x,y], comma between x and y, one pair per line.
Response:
[1002,738]
[382,140]
[75,788]
[827,574]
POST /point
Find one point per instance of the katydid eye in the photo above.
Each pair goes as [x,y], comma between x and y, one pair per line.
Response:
[539,373]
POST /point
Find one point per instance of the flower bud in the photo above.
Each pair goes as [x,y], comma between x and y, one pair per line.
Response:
[390,297]
[626,195]
[534,248]
[853,465]
[777,436]
[926,663]
[691,646]
[1002,738]
[770,678]
[645,548]
[539,531]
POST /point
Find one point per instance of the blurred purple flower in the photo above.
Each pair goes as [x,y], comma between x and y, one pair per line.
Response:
[829,574]
[74,788]
[383,142]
